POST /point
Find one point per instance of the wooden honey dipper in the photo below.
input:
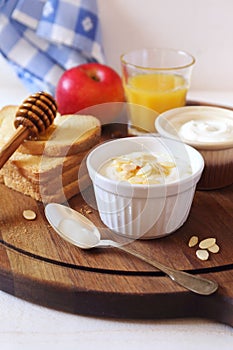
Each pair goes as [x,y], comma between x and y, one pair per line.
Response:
[33,116]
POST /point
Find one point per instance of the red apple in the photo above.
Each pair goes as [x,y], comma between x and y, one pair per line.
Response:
[88,85]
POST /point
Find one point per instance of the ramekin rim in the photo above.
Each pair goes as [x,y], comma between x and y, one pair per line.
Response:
[124,184]
[220,145]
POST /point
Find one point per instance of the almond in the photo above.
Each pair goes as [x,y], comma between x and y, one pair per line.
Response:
[207,243]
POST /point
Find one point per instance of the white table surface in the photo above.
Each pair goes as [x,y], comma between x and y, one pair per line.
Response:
[27,326]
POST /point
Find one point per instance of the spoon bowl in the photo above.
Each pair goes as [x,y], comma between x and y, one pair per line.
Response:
[81,232]
[72,226]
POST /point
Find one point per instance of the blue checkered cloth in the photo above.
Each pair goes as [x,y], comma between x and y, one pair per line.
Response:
[43,38]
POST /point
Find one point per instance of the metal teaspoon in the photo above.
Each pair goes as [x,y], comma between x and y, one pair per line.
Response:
[80,231]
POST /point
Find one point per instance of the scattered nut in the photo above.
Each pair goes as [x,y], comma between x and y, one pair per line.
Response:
[202,254]
[214,249]
[85,210]
[29,214]
[88,211]
[193,241]
[207,243]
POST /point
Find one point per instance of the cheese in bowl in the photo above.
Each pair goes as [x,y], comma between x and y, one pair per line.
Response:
[144,186]
[144,168]
[208,129]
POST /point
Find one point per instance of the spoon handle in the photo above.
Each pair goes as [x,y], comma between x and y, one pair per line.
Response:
[193,283]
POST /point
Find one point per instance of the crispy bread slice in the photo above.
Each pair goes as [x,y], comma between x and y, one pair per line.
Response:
[41,168]
[61,194]
[60,183]
[68,135]
[48,169]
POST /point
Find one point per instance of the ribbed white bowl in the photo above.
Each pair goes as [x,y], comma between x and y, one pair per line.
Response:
[143,211]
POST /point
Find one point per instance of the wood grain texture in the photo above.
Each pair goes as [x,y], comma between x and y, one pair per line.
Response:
[38,266]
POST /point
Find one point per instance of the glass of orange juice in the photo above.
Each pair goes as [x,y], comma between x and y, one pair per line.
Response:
[157,79]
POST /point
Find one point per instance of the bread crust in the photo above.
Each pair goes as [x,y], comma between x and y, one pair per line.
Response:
[41,168]
[60,196]
[51,168]
[68,135]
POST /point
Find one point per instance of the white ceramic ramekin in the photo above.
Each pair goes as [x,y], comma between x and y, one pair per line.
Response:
[144,211]
[217,154]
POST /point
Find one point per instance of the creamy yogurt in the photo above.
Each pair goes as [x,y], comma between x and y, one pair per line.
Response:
[145,168]
[206,130]
[198,125]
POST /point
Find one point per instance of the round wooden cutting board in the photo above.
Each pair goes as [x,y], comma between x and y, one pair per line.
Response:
[38,266]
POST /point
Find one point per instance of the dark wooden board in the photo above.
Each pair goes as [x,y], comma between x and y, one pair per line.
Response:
[38,266]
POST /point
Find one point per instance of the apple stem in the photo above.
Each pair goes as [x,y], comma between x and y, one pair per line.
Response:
[94,77]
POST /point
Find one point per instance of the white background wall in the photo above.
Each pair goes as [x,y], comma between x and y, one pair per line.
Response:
[202,27]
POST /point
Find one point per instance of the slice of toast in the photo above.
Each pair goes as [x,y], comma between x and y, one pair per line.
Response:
[41,169]
[61,177]
[47,169]
[61,194]
[69,134]
[57,182]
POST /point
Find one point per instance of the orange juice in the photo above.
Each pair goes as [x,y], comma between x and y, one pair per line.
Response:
[158,92]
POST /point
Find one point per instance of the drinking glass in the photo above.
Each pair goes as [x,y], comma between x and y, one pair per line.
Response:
[157,79]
